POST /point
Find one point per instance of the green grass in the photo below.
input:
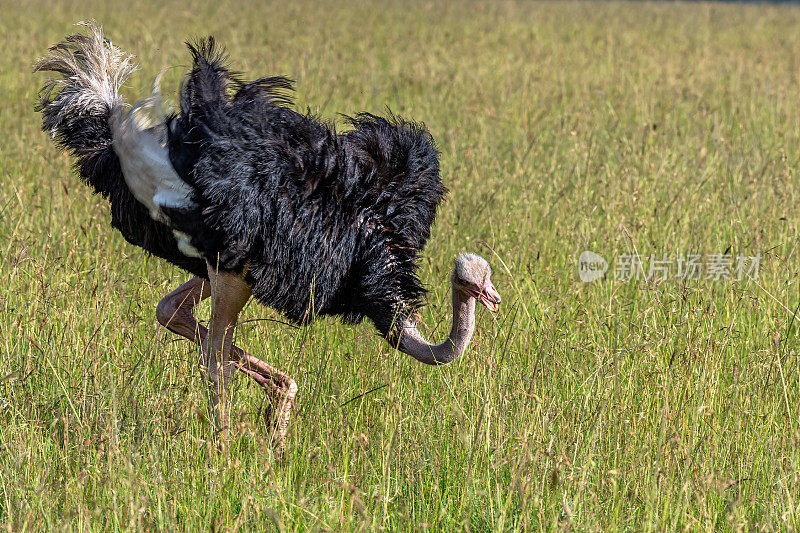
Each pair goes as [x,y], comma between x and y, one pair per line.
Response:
[620,128]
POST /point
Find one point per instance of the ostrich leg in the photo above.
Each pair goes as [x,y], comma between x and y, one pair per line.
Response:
[175,312]
[229,294]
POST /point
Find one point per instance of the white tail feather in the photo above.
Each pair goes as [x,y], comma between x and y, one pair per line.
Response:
[90,71]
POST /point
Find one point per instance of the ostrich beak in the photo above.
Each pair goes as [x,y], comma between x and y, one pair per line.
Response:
[490,297]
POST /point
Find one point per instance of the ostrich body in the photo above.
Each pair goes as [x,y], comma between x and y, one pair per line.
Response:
[257,200]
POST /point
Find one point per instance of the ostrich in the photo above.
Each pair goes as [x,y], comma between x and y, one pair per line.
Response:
[257,200]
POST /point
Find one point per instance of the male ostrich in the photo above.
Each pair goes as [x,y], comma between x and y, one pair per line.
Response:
[257,200]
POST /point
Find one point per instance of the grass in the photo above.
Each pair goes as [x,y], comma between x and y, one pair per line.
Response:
[621,128]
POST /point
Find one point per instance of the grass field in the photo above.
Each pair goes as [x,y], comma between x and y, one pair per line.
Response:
[620,128]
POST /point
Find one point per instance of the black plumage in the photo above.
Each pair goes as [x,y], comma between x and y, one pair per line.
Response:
[308,214]
[319,222]
[77,116]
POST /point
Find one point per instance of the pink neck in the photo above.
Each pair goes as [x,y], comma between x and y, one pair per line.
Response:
[414,344]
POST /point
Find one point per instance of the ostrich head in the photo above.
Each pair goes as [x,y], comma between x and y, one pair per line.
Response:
[471,282]
[472,277]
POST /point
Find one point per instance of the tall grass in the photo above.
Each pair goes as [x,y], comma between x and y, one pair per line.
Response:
[621,128]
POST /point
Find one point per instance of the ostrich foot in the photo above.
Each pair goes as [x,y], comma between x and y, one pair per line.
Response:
[175,312]
[281,391]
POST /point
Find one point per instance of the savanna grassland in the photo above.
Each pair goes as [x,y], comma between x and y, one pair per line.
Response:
[627,129]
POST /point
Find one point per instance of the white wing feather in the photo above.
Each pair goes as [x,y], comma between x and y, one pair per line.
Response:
[148,172]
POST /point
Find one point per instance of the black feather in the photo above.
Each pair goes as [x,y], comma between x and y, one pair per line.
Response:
[77,114]
[323,223]
[320,222]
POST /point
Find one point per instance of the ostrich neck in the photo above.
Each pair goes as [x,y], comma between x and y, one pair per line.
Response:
[414,344]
